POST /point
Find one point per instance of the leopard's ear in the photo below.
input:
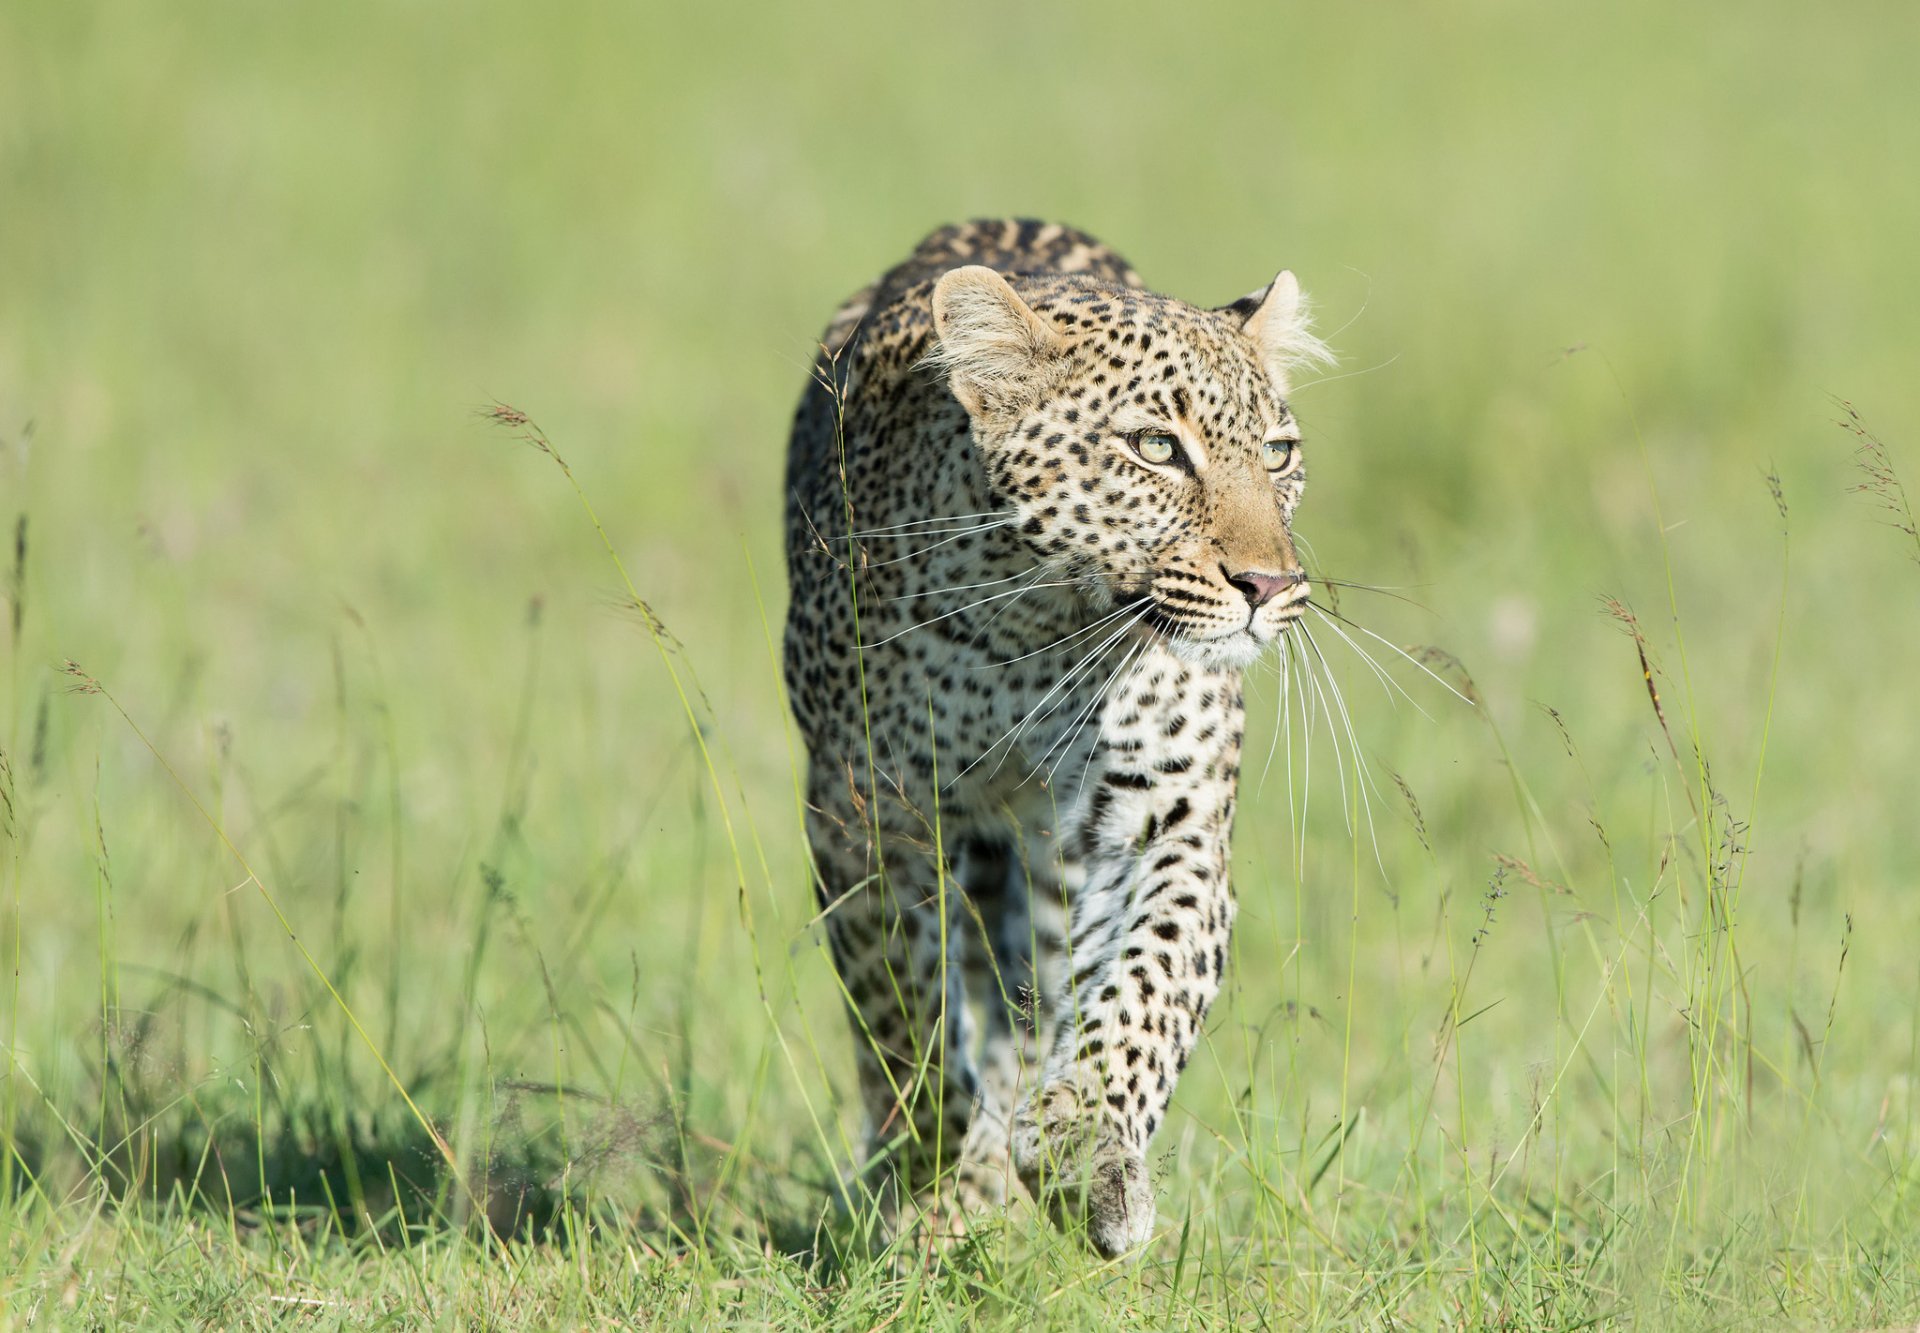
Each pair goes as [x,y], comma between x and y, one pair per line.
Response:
[993,347]
[1276,319]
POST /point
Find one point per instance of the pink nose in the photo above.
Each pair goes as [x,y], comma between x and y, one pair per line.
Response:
[1261,587]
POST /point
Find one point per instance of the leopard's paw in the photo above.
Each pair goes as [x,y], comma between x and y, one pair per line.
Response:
[1076,1163]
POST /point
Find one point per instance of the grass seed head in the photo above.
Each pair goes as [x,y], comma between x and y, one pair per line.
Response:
[82,682]
[1440,659]
[1879,480]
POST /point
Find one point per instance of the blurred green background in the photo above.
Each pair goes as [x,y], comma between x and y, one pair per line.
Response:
[259,266]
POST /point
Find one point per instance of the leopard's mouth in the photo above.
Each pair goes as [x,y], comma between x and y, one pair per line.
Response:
[1206,642]
[1158,618]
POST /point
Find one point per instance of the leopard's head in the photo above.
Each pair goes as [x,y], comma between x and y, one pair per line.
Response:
[1144,446]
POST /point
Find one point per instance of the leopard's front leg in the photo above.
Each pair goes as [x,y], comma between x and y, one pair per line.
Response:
[1149,939]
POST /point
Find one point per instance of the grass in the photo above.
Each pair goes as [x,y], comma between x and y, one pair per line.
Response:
[1597,1008]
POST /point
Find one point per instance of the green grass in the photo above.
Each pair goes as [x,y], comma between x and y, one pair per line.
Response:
[1608,1021]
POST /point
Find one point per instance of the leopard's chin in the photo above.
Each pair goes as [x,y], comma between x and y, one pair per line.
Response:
[1235,651]
[1232,650]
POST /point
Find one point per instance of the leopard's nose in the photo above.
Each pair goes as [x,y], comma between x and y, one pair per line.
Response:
[1260,586]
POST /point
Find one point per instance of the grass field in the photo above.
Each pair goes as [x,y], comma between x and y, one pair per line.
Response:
[374,871]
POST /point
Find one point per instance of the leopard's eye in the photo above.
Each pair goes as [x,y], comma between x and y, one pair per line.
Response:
[1156,447]
[1279,455]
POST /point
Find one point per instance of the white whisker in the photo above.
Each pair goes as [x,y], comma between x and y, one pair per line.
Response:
[914,527]
[1415,661]
[1306,753]
[999,611]
[915,555]
[1355,316]
[964,587]
[1361,770]
[948,615]
[1340,704]
[1063,639]
[1034,714]
[1063,742]
[1294,820]
[1333,735]
[1093,750]
[1042,710]
[1329,379]
[1387,682]
[1280,675]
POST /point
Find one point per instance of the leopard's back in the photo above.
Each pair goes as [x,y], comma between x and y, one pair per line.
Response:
[887,325]
[873,440]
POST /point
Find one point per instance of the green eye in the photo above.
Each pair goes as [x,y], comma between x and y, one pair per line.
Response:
[1278,455]
[1156,448]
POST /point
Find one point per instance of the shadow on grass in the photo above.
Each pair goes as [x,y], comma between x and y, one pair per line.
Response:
[276,1143]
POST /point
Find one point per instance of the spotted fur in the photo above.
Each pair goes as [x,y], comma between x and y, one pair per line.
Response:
[1015,643]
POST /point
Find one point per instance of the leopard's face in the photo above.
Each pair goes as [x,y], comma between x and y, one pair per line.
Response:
[1151,458]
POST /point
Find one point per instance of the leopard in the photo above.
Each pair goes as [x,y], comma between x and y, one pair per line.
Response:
[1039,523]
